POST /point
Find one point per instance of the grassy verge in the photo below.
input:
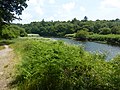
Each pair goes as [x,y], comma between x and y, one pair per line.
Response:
[2,47]
[112,39]
[53,65]
[4,42]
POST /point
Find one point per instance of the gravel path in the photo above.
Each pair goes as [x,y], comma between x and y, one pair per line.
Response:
[6,66]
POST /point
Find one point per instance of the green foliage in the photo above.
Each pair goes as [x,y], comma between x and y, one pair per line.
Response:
[2,47]
[61,28]
[10,8]
[105,31]
[12,31]
[53,65]
[116,73]
[9,33]
[82,35]
[116,29]
[5,42]
[111,38]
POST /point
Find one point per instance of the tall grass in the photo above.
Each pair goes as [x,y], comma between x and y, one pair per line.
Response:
[53,65]
[2,47]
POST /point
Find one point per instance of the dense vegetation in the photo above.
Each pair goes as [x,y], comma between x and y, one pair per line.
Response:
[12,31]
[81,30]
[61,28]
[110,38]
[81,35]
[53,65]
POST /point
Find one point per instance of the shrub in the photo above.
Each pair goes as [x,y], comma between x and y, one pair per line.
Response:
[81,35]
[110,38]
[105,31]
[12,31]
[53,65]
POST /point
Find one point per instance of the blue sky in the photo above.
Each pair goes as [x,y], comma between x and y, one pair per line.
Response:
[64,10]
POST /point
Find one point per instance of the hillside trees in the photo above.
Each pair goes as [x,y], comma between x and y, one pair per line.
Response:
[61,28]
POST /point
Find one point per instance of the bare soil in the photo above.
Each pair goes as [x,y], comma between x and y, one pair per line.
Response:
[6,67]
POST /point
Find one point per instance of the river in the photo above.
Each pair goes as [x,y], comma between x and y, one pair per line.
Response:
[94,47]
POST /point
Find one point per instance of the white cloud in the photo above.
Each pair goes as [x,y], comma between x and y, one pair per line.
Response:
[50,18]
[26,15]
[39,11]
[68,6]
[51,1]
[35,6]
[33,11]
[26,18]
[36,2]
[110,4]
[59,10]
[82,9]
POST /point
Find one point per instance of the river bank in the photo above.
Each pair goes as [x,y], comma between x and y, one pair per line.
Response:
[56,65]
[109,39]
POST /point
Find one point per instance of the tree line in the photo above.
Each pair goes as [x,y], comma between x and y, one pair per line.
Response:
[61,28]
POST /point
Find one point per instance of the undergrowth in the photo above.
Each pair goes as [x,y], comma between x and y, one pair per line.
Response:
[53,65]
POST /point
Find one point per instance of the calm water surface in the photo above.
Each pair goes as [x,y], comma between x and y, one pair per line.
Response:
[94,47]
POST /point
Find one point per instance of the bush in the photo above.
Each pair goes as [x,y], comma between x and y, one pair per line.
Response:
[81,35]
[115,77]
[12,31]
[105,31]
[51,65]
[110,38]
[115,30]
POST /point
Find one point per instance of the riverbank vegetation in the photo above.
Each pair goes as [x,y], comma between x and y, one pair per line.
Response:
[53,65]
[110,38]
[97,30]
[61,28]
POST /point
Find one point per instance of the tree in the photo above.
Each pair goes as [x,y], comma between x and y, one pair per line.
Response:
[85,18]
[117,19]
[10,8]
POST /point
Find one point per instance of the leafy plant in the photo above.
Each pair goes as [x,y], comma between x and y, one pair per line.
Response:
[82,35]
[53,65]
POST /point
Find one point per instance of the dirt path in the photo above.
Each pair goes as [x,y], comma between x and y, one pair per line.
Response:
[6,67]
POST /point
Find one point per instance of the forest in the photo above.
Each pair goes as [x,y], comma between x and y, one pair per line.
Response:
[61,28]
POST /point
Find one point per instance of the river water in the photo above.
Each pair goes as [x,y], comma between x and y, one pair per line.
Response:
[94,47]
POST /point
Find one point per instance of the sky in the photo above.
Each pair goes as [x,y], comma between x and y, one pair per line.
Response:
[64,10]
